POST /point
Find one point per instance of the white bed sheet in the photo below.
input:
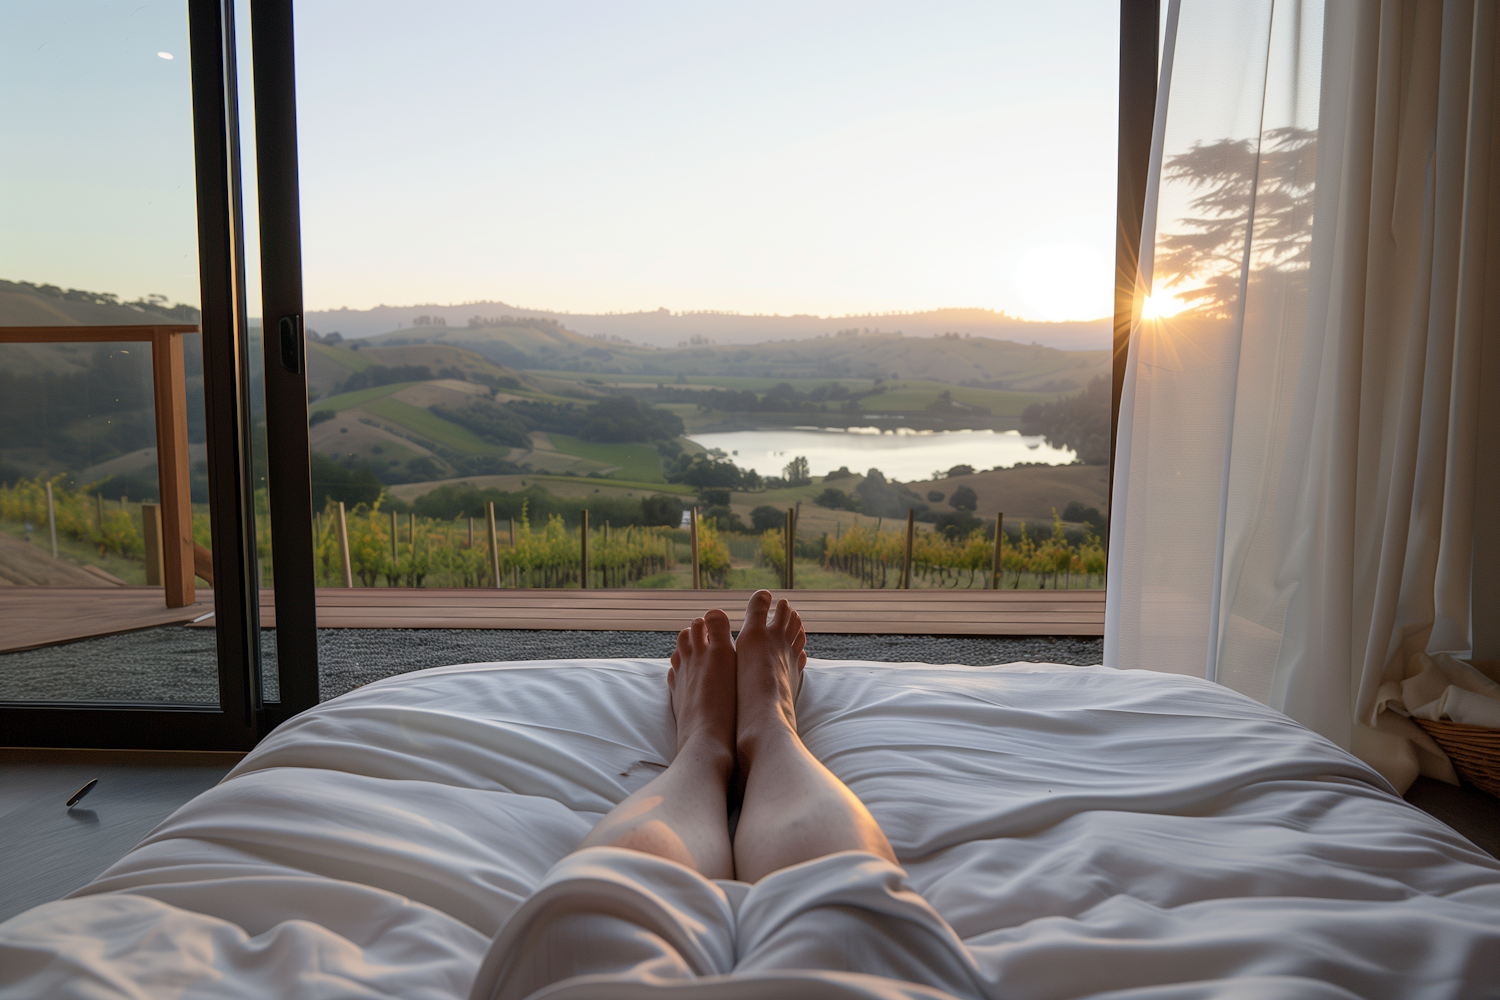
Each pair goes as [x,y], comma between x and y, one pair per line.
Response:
[1087,832]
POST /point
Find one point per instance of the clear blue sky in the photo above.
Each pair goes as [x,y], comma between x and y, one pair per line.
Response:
[766,157]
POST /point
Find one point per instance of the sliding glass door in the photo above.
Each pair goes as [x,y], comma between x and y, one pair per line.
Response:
[131,555]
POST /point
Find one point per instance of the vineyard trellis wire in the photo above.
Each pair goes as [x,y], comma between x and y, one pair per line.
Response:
[431,552]
[875,557]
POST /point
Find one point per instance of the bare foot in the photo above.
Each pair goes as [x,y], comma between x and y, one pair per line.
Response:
[702,685]
[771,658]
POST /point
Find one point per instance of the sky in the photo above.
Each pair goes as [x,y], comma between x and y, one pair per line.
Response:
[827,158]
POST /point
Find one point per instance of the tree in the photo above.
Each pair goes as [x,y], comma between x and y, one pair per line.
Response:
[964,498]
[1078,422]
[621,419]
[765,517]
[332,481]
[836,499]
[661,509]
[1270,178]
[880,498]
[961,470]
[796,472]
[704,472]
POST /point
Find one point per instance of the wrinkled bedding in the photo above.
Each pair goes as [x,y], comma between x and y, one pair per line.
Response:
[1086,832]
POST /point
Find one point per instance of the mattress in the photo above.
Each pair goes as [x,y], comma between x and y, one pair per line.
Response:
[1087,832]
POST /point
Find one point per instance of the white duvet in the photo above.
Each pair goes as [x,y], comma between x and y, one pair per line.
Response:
[1086,832]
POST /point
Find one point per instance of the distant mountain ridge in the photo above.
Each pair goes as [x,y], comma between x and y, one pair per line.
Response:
[535,344]
[666,329]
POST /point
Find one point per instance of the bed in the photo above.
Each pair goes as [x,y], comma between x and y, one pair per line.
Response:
[1087,832]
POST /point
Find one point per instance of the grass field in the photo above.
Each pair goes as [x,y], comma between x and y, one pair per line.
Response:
[637,462]
[428,424]
[359,397]
[354,361]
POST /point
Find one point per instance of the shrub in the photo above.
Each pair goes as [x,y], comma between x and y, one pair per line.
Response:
[836,499]
[964,498]
[661,510]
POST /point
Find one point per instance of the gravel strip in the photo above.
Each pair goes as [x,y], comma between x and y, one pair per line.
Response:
[177,664]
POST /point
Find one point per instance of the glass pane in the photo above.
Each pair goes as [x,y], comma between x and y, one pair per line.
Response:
[265,573]
[87,537]
[745,260]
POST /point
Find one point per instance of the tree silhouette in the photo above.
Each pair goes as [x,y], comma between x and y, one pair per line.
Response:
[1268,182]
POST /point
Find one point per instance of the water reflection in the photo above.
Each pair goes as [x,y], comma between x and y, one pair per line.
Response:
[903,454]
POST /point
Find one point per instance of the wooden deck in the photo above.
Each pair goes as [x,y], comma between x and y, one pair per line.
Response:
[44,616]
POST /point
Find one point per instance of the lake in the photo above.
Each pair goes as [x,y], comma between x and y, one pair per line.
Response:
[902,454]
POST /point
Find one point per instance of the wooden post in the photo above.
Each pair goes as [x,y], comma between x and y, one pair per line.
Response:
[344,547]
[911,531]
[169,386]
[471,532]
[411,531]
[999,563]
[693,541]
[52,519]
[395,552]
[151,535]
[791,548]
[99,510]
[515,570]
[583,550]
[494,544]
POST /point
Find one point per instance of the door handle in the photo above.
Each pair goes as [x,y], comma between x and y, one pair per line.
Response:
[291,344]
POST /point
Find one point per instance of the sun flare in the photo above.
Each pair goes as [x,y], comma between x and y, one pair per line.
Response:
[1160,306]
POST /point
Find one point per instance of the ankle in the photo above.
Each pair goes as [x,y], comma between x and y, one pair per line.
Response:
[709,751]
[770,732]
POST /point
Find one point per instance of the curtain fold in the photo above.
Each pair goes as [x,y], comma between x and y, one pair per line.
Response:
[1293,510]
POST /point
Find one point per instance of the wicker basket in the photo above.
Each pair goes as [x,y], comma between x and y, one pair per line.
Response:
[1475,751]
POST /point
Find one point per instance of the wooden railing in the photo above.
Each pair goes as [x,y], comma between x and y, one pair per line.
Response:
[169,389]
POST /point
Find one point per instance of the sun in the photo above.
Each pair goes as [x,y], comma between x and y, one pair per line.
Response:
[1161,306]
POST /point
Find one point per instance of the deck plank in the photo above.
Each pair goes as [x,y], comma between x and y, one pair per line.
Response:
[42,616]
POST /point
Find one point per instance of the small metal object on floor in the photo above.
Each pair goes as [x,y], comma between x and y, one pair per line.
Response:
[77,796]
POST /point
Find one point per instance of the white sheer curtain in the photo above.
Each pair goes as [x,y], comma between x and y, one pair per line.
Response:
[1293,506]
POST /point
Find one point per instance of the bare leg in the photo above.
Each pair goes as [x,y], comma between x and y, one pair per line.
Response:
[794,808]
[681,815]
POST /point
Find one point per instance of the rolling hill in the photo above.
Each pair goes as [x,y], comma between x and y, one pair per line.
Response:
[980,361]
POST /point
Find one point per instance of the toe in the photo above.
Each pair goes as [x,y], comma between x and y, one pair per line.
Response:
[684,645]
[784,614]
[717,623]
[699,633]
[757,609]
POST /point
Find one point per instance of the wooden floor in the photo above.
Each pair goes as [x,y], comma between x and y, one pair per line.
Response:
[40,616]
